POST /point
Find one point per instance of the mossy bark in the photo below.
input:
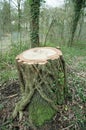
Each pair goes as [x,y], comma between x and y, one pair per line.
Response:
[43,89]
[34,22]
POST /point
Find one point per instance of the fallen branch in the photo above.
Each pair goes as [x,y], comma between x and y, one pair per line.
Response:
[67,128]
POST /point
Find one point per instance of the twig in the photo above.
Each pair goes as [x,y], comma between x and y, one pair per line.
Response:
[66,128]
[11,96]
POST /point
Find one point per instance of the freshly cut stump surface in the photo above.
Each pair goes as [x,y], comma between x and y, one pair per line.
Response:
[39,55]
[42,77]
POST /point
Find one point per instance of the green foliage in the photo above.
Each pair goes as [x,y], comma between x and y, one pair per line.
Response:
[75,57]
[71,54]
[1,107]
[61,78]
[7,65]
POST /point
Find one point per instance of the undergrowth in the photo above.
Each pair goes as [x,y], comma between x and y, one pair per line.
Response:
[7,65]
[75,58]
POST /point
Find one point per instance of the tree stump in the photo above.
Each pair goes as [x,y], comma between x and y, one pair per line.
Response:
[42,83]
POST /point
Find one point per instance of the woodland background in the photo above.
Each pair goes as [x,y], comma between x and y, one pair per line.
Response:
[56,28]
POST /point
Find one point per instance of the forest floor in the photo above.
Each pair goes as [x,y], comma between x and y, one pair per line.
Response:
[72,115]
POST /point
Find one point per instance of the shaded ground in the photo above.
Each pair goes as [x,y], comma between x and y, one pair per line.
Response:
[71,116]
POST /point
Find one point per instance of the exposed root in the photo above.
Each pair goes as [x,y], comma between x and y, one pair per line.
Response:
[22,104]
[20,115]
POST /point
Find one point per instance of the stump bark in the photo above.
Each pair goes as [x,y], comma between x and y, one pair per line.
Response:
[43,87]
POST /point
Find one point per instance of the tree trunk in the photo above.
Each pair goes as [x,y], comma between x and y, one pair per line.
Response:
[34,22]
[78,6]
[19,16]
[19,21]
[43,83]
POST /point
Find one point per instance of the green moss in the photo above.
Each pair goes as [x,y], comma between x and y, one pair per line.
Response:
[40,111]
[61,78]
[41,114]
